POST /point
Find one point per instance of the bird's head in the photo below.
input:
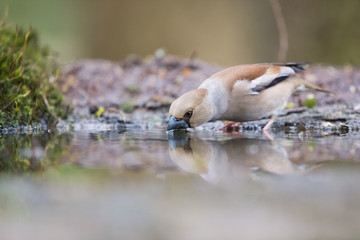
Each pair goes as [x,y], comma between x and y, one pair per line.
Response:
[190,110]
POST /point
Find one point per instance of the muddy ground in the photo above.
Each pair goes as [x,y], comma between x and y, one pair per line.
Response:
[141,90]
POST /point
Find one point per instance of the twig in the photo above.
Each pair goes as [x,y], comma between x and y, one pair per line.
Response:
[283,34]
[192,56]
[46,101]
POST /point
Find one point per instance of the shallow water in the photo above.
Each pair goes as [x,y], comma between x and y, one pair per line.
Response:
[135,183]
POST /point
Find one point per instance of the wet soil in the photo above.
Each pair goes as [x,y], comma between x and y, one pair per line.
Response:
[141,90]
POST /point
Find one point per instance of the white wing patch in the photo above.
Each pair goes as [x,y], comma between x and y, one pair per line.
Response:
[267,80]
[261,81]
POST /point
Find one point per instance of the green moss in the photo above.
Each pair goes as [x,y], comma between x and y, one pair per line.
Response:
[310,102]
[127,107]
[28,74]
[100,112]
[132,88]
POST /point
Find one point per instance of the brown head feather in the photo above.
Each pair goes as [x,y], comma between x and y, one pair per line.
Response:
[196,101]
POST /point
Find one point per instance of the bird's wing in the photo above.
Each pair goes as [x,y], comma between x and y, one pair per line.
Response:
[273,76]
[260,76]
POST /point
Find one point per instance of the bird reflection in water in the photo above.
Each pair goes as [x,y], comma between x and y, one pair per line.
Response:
[221,161]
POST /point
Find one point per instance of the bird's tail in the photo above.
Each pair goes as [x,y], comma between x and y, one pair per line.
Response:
[303,85]
[311,86]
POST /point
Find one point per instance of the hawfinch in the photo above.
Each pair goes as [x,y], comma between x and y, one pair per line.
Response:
[240,93]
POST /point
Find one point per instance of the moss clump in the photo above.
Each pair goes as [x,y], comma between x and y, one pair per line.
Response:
[28,74]
[100,112]
[310,101]
[133,88]
[127,107]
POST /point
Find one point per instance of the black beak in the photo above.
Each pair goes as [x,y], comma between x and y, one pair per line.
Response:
[177,124]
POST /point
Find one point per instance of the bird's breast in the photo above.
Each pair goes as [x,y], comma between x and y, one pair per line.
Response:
[243,106]
[218,95]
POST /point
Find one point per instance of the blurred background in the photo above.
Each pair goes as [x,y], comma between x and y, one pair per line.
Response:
[226,32]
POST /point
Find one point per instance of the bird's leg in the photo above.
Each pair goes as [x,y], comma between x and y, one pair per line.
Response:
[230,125]
[267,126]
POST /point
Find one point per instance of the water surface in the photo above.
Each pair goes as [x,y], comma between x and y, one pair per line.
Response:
[134,183]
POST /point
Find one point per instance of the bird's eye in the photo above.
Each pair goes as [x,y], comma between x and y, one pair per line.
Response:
[188,114]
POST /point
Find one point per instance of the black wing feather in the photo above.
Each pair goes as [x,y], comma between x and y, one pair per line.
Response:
[277,80]
[297,67]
